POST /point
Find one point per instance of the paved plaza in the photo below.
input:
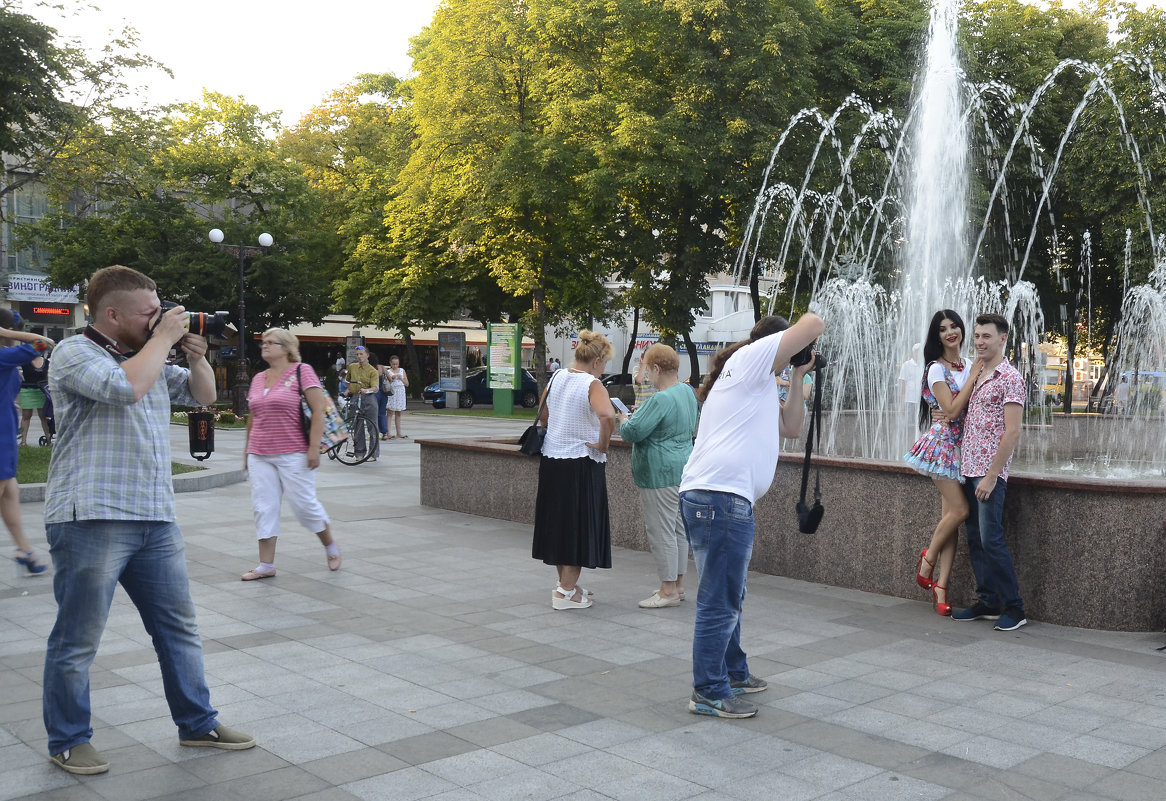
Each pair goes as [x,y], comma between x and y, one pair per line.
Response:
[432,666]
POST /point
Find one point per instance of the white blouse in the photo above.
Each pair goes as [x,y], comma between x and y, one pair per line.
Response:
[571,422]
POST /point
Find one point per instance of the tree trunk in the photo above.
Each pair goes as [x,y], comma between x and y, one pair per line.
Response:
[414,360]
[627,357]
[755,295]
[693,362]
[538,315]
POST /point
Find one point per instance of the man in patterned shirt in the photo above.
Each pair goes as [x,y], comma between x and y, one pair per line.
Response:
[991,431]
[109,510]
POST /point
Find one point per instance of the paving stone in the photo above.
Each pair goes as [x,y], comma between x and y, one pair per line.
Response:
[372,683]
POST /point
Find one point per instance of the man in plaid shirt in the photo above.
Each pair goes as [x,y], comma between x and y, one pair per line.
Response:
[109,510]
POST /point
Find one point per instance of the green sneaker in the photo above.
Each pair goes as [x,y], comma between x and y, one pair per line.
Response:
[81,759]
[222,737]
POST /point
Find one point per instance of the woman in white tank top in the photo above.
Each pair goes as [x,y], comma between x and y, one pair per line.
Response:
[571,525]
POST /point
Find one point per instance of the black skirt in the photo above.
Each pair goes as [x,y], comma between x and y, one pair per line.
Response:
[571,525]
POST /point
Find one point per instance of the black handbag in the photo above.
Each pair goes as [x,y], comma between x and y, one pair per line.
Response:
[531,441]
[810,516]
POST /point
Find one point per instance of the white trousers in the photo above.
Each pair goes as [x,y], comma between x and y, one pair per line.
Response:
[281,474]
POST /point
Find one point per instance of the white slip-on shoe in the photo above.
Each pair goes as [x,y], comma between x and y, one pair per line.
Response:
[658,601]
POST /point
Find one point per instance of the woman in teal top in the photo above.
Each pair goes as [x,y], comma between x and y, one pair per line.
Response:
[661,432]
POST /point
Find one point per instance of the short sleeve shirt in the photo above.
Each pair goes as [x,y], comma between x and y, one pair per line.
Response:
[738,441]
[984,423]
[363,374]
[275,412]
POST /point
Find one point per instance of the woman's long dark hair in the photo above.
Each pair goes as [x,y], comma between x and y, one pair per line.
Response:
[933,349]
[764,327]
[933,345]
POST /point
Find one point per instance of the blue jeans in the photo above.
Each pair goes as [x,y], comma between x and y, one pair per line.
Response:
[382,413]
[719,527]
[90,557]
[996,582]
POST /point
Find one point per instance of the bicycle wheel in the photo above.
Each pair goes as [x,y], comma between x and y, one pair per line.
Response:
[367,431]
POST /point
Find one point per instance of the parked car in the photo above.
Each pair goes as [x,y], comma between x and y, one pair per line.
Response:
[610,380]
[619,385]
[477,391]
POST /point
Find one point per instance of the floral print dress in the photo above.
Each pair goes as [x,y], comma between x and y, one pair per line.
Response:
[936,454]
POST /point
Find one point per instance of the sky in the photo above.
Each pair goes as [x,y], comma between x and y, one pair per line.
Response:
[283,55]
[280,55]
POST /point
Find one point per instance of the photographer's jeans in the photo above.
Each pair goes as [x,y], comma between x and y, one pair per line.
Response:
[90,557]
[991,560]
[719,526]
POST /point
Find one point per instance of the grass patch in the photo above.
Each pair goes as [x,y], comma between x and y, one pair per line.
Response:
[517,414]
[32,465]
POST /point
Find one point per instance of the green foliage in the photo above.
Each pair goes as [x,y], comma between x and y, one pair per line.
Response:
[144,189]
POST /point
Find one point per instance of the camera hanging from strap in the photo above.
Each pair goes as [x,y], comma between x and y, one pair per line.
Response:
[810,517]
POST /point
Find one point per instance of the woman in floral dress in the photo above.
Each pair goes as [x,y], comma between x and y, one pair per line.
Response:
[947,385]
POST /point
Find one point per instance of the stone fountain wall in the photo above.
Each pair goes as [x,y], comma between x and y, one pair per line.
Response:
[1089,553]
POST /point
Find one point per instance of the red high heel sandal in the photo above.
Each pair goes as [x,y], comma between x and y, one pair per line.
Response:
[926,582]
[941,607]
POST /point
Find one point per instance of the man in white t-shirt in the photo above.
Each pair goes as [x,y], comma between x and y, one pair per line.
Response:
[732,465]
[911,382]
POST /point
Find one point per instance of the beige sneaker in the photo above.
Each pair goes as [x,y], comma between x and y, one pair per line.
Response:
[222,737]
[81,759]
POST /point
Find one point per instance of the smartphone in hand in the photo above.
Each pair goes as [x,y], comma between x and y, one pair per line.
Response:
[619,405]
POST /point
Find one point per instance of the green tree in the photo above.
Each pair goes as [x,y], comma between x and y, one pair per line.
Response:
[144,190]
[51,91]
[499,167]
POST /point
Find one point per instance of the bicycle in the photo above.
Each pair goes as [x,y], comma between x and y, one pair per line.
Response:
[354,422]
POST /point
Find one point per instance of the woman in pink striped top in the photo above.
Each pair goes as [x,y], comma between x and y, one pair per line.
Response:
[278,455]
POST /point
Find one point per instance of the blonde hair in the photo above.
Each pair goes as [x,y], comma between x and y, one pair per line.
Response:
[664,357]
[286,338]
[592,345]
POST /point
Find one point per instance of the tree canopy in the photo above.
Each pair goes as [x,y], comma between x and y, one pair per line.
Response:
[565,160]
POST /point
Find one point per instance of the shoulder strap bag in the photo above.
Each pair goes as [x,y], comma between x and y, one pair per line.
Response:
[335,431]
[531,441]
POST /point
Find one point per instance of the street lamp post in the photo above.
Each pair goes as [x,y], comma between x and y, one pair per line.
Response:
[242,252]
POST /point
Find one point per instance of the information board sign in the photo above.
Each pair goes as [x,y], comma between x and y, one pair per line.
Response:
[451,361]
[504,351]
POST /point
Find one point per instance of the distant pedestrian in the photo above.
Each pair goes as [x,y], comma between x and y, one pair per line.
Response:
[363,384]
[381,395]
[34,376]
[572,529]
[1121,396]
[398,384]
[12,357]
[995,415]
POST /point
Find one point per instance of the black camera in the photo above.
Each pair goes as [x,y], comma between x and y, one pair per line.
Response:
[202,323]
[804,355]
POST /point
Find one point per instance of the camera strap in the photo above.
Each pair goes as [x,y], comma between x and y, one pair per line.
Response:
[101,339]
[815,430]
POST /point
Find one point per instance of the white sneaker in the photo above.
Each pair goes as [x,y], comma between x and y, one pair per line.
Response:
[567,600]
